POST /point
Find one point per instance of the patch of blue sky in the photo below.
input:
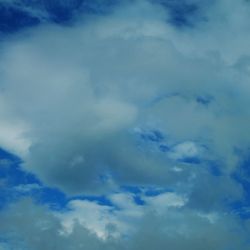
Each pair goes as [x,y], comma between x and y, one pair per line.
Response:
[241,209]
[131,189]
[138,200]
[204,100]
[140,191]
[152,135]
[190,160]
[155,191]
[242,176]
[98,6]
[214,168]
[182,13]
[13,18]
[12,173]
[54,198]
[63,13]
[164,148]
[16,15]
[151,140]
[145,190]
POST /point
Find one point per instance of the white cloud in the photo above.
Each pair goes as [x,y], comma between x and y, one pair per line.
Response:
[12,131]
[162,202]
[184,150]
[91,215]
[122,216]
[12,138]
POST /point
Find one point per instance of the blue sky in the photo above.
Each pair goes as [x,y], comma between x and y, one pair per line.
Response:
[124,125]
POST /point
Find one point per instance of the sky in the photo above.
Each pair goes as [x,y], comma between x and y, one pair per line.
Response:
[124,125]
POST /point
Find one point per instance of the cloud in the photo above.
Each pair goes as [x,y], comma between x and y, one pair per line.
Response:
[187,230]
[78,98]
[81,90]
[29,226]
[129,98]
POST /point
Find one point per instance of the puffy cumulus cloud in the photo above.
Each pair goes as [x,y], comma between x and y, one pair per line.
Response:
[28,226]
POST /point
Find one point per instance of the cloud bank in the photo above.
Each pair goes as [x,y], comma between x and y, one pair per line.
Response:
[132,97]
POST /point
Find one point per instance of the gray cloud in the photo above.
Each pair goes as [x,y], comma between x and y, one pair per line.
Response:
[76,93]
[74,101]
[28,226]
